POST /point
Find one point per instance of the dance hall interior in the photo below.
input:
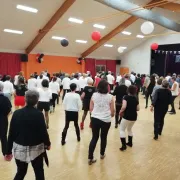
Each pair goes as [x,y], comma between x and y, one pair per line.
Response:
[90,89]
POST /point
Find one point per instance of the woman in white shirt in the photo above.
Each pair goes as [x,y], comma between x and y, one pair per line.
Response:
[82,82]
[32,83]
[45,95]
[55,89]
[8,88]
[65,84]
[76,81]
[72,105]
[102,109]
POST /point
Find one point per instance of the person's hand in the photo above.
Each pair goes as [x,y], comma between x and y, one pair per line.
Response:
[152,109]
[49,148]
[8,157]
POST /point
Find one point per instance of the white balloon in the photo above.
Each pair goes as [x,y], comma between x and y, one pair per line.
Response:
[120,50]
[147,27]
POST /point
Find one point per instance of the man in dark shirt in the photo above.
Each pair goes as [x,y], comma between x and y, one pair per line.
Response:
[162,99]
[5,109]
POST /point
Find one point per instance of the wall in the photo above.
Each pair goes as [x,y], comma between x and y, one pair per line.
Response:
[52,64]
[138,59]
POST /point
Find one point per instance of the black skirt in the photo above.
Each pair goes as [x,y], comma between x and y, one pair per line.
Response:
[86,104]
[43,106]
[71,116]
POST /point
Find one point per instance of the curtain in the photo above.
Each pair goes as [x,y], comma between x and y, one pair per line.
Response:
[90,66]
[171,65]
[10,64]
[111,66]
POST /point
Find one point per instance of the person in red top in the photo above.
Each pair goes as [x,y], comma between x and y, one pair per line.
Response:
[97,80]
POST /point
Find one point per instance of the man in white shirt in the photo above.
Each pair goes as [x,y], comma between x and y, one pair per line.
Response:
[118,78]
[127,81]
[32,83]
[76,81]
[65,84]
[8,88]
[44,76]
[83,81]
[110,80]
[132,77]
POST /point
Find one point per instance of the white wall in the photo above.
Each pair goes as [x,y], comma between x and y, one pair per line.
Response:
[138,59]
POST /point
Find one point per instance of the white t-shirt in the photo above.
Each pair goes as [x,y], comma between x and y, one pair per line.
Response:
[66,83]
[118,78]
[101,109]
[167,78]
[72,102]
[58,81]
[127,82]
[8,87]
[82,82]
[176,91]
[45,94]
[32,84]
[16,80]
[39,83]
[110,79]
[133,78]
[44,77]
[54,87]
[76,81]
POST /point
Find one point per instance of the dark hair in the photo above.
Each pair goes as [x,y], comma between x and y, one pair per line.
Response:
[126,76]
[31,76]
[139,75]
[159,81]
[153,80]
[76,76]
[173,78]
[31,97]
[41,76]
[21,80]
[54,79]
[57,74]
[45,83]
[8,77]
[73,86]
[102,87]
[132,90]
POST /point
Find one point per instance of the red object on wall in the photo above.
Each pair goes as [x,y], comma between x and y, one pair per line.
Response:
[10,64]
[96,35]
[154,46]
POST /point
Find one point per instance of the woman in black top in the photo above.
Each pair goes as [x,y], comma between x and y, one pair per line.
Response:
[28,137]
[5,108]
[86,97]
[149,89]
[20,90]
[120,91]
[129,110]
[162,99]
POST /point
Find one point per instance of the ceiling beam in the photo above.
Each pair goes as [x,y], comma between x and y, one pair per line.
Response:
[59,13]
[171,6]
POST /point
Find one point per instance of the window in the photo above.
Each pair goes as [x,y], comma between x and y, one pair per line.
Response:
[100,68]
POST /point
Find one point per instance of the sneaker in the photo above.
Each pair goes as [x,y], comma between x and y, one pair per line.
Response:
[155,138]
[116,126]
[63,143]
[103,156]
[91,161]
[79,139]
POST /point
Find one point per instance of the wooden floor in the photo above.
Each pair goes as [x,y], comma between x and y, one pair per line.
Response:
[147,160]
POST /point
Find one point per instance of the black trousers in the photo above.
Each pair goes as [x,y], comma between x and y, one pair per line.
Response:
[111,86]
[147,97]
[97,126]
[64,92]
[53,100]
[37,165]
[172,104]
[3,134]
[118,108]
[159,115]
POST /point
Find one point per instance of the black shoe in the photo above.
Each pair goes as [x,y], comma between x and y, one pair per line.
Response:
[123,141]
[155,138]
[146,107]
[63,143]
[130,144]
[116,126]
[78,139]
[172,113]
[91,161]
[159,133]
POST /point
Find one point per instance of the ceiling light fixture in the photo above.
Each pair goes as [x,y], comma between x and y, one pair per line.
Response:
[81,41]
[126,33]
[13,31]
[99,26]
[58,38]
[140,36]
[108,45]
[26,8]
[122,47]
[75,20]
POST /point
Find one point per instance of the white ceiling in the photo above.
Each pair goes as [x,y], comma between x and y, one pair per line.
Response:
[88,10]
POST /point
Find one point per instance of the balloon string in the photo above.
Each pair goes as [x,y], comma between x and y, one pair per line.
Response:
[149,6]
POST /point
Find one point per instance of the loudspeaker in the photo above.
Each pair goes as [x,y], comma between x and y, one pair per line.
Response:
[40,58]
[118,62]
[24,58]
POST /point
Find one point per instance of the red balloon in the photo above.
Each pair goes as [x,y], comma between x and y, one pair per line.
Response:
[96,35]
[154,46]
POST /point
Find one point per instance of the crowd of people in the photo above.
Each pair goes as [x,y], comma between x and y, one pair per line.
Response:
[37,96]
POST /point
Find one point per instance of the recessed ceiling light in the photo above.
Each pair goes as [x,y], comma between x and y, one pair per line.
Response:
[99,26]
[108,45]
[26,8]
[79,21]
[81,41]
[58,38]
[126,33]
[13,31]
[140,36]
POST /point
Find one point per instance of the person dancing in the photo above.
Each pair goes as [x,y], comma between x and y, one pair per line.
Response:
[72,105]
[86,97]
[102,109]
[129,109]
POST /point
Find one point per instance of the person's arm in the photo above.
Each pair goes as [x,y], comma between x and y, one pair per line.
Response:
[79,103]
[91,106]
[170,98]
[112,107]
[138,107]
[154,100]
[50,95]
[154,90]
[174,87]
[115,91]
[124,105]
[83,95]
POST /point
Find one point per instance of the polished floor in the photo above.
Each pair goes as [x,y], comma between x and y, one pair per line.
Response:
[147,160]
